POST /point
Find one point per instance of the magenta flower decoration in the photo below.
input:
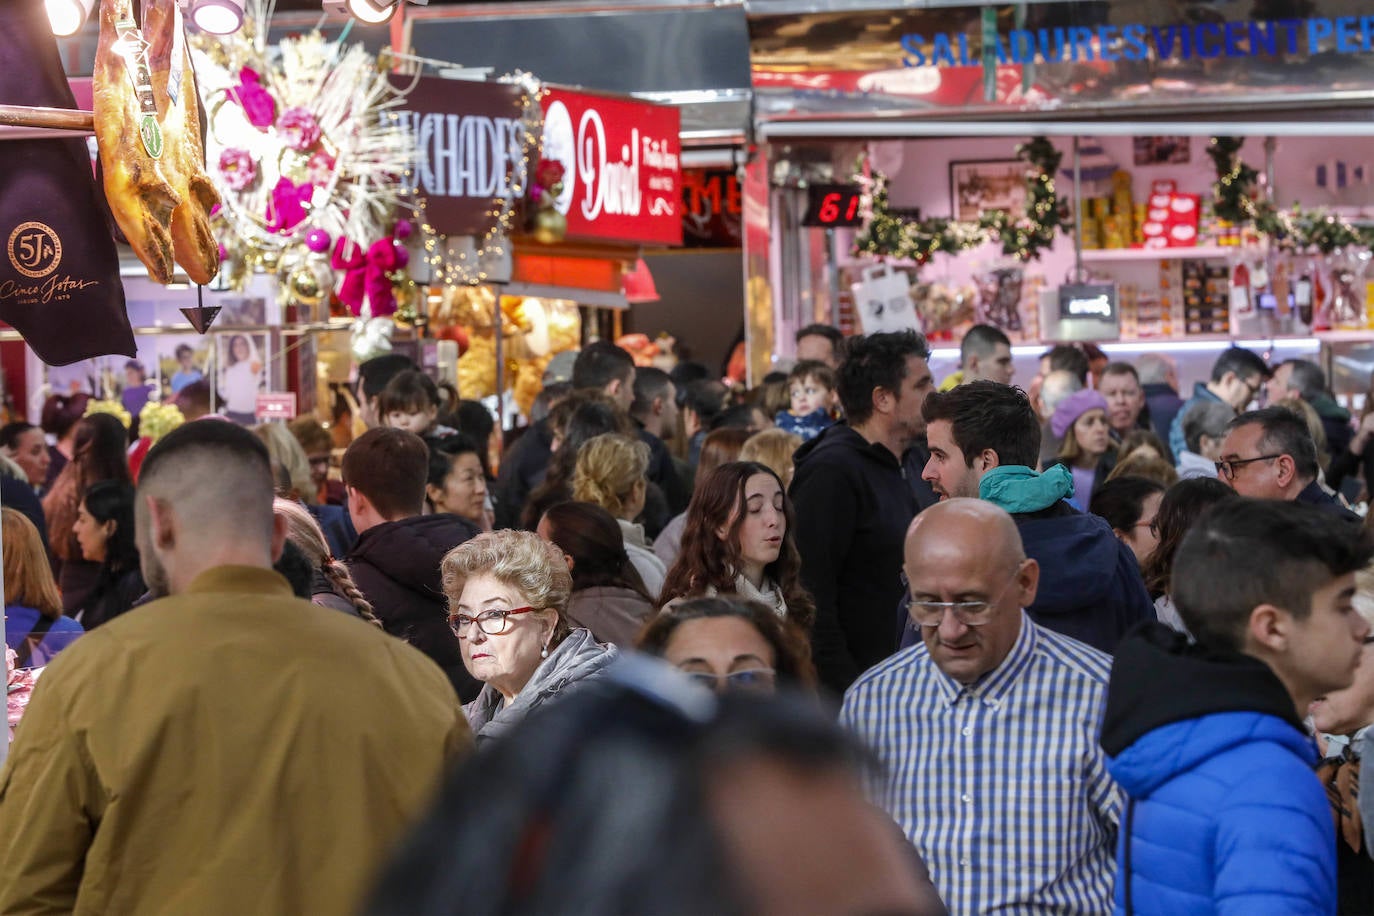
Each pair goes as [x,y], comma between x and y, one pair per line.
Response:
[320,167]
[258,105]
[237,168]
[299,129]
[289,206]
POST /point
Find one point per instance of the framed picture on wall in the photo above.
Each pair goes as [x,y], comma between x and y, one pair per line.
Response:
[1162,150]
[990,184]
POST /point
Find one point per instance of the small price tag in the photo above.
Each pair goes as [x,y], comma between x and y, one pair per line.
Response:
[134,50]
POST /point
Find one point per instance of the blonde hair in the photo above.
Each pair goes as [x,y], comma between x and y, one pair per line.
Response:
[28,576]
[609,467]
[286,453]
[520,560]
[1147,466]
[773,448]
[303,531]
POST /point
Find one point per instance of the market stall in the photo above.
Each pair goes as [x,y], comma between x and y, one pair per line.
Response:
[987,162]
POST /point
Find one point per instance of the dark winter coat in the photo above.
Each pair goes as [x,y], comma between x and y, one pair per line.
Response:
[853,506]
[396,566]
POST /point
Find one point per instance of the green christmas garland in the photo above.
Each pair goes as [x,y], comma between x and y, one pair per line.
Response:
[1023,237]
[1236,199]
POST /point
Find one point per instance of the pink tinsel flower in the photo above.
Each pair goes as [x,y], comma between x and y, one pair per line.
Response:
[320,167]
[258,105]
[299,128]
[238,168]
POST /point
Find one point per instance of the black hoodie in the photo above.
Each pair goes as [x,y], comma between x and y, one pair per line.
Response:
[853,507]
[396,565]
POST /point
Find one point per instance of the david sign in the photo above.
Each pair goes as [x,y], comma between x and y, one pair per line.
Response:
[622,176]
[467,137]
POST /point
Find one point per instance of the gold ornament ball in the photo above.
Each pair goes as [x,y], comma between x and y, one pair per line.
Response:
[268,258]
[305,287]
[550,227]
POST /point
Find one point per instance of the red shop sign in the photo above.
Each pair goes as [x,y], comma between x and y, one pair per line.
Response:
[622,173]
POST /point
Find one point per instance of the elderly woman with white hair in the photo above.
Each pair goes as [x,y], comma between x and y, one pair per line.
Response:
[508,595]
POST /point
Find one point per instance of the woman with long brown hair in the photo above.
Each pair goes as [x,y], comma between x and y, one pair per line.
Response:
[99,452]
[35,627]
[738,539]
[608,594]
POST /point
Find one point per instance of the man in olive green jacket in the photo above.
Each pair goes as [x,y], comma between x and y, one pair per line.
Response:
[228,749]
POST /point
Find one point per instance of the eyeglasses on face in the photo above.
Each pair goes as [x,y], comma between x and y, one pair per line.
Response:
[1227,469]
[970,613]
[492,623]
[752,679]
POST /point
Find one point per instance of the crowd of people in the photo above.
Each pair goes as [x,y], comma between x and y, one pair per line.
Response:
[1071,648]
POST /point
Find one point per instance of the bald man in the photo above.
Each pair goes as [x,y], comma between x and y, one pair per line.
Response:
[227,749]
[987,729]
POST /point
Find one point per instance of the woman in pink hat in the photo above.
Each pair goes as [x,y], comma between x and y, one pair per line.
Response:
[1088,452]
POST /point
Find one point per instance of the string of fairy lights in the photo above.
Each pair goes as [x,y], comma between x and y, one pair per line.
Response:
[449,267]
[1238,198]
[1023,236]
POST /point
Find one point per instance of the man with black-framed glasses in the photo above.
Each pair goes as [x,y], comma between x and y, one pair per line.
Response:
[987,728]
[1270,454]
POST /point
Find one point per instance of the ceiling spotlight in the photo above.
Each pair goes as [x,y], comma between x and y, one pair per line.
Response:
[67,16]
[218,17]
[372,12]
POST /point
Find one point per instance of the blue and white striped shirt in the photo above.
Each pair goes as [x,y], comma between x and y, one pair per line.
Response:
[1001,786]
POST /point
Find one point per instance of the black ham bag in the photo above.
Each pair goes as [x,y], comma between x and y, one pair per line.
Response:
[59,269]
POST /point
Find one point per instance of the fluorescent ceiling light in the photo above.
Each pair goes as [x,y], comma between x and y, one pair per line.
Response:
[218,17]
[67,16]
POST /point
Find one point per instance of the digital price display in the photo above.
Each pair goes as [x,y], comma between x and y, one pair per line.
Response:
[831,205]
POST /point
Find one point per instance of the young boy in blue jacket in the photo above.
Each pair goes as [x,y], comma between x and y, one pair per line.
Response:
[812,386]
[1225,813]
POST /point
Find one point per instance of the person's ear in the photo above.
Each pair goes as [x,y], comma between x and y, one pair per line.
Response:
[161,523]
[434,492]
[1028,582]
[613,387]
[1285,470]
[568,558]
[656,408]
[990,459]
[278,536]
[883,400]
[1270,627]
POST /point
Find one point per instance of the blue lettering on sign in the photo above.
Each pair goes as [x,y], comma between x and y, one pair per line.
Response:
[914,56]
[1317,29]
[1135,42]
[1134,38]
[1106,37]
[1345,35]
[1022,46]
[943,53]
[1207,38]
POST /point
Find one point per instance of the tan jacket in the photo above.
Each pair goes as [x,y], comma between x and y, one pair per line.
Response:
[229,750]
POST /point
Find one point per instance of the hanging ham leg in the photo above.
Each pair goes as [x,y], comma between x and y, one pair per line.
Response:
[183,156]
[130,142]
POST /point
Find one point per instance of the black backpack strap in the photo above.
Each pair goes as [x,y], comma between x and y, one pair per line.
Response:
[32,641]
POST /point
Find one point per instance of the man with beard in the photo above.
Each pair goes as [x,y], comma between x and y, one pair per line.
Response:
[854,504]
[230,748]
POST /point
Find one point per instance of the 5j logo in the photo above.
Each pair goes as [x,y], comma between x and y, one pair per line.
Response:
[35,249]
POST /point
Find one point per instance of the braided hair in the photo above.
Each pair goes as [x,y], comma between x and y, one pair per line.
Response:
[303,531]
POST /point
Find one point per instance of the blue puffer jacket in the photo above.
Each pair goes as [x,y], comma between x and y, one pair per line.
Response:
[1225,814]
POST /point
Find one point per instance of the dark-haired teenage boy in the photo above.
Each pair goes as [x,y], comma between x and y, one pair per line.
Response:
[1225,813]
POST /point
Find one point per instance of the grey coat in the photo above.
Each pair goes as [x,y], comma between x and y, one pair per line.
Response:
[577,659]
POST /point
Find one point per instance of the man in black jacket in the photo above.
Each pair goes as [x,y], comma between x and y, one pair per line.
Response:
[853,504]
[396,560]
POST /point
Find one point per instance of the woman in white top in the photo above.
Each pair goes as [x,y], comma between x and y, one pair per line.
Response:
[738,540]
[610,473]
[239,379]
